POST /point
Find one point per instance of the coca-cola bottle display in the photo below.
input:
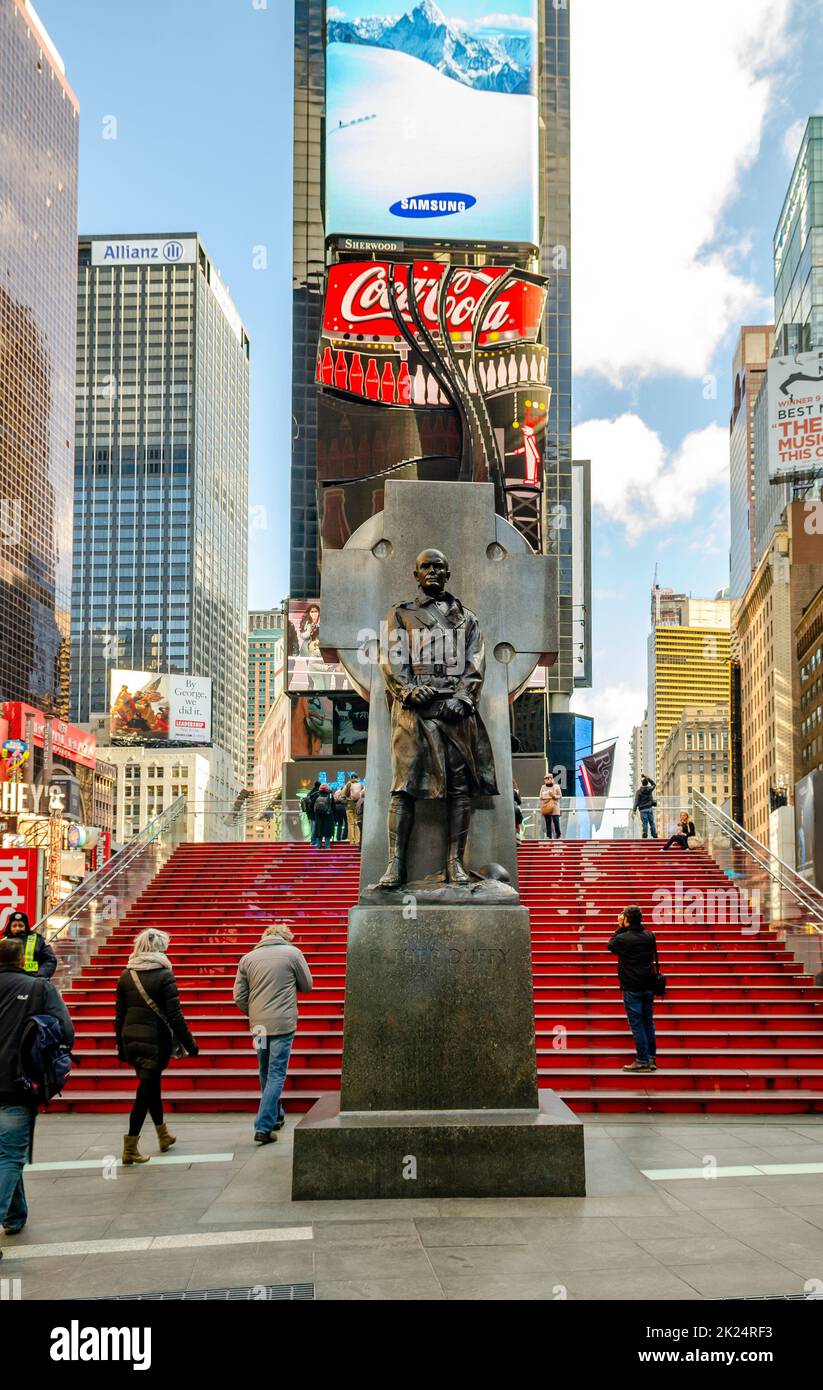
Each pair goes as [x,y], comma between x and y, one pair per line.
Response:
[346,454]
[419,385]
[372,380]
[356,375]
[341,372]
[335,527]
[318,372]
[328,367]
[387,384]
[404,384]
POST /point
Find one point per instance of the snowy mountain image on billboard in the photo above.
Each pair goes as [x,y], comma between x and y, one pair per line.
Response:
[431,121]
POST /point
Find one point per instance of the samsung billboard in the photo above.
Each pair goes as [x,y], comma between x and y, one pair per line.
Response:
[432,121]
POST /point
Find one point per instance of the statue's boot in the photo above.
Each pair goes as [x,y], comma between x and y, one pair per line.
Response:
[401,820]
[459,820]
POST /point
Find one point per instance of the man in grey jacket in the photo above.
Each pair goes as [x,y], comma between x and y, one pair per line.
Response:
[265,990]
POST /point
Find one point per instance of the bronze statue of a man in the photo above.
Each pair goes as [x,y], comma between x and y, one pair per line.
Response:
[434,670]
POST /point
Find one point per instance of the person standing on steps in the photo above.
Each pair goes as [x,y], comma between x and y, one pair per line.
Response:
[341,820]
[636,951]
[551,794]
[645,803]
[323,817]
[150,1030]
[22,994]
[352,793]
[38,956]
[311,797]
[265,990]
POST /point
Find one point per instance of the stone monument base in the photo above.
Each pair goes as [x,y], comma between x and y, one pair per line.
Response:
[438,1153]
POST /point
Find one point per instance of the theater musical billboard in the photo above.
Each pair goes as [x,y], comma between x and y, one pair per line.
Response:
[158,707]
[795,410]
[432,122]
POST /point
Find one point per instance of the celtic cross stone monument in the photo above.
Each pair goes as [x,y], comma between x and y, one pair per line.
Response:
[439,1087]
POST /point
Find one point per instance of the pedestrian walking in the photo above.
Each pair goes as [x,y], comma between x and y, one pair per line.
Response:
[518,811]
[265,990]
[644,803]
[353,793]
[38,956]
[323,817]
[684,832]
[638,972]
[150,1030]
[551,794]
[23,994]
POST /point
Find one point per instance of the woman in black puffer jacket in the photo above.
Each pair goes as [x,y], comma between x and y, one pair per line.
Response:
[146,1035]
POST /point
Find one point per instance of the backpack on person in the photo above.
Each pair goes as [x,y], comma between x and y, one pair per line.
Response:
[323,804]
[45,1061]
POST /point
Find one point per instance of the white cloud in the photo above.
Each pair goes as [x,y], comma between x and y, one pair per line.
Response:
[791,140]
[638,483]
[334,12]
[616,709]
[668,104]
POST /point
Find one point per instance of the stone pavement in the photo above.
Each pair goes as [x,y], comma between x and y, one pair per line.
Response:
[226,1220]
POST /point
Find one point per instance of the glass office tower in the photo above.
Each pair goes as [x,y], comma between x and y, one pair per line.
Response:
[161,476]
[38,210]
[309,263]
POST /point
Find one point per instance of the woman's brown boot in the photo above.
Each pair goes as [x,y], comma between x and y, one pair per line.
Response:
[164,1139]
[131,1153]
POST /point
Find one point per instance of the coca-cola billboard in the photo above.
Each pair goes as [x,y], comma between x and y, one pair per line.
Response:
[358,306]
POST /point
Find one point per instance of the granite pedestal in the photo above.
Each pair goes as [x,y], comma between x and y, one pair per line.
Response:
[439,1092]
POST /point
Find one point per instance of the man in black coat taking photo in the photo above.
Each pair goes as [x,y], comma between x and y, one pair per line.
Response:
[636,951]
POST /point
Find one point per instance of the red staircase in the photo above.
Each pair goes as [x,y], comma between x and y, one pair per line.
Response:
[740,1029]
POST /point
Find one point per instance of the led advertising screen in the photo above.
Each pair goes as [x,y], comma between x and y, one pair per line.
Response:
[432,120]
[795,402]
[306,667]
[155,707]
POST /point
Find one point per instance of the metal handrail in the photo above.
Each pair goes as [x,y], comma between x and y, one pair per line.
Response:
[94,883]
[809,898]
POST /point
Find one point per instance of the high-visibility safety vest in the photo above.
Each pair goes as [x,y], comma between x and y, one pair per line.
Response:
[29,963]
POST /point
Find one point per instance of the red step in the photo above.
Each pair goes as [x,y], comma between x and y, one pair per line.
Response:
[739,1031]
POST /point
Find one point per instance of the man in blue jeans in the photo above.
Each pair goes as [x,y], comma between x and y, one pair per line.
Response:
[265,990]
[22,994]
[645,803]
[636,951]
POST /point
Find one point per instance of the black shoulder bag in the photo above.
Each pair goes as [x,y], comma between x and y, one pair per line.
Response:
[659,986]
[177,1048]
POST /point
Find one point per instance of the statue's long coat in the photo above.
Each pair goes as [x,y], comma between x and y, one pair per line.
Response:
[419,735]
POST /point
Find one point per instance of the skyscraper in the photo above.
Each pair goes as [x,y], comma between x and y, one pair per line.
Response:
[752,351]
[38,210]
[798,313]
[553,261]
[267,646]
[688,663]
[161,475]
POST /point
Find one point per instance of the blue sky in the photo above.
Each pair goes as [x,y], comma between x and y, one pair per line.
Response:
[684,122]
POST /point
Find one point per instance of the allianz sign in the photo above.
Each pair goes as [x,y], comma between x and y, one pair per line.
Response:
[171,251]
